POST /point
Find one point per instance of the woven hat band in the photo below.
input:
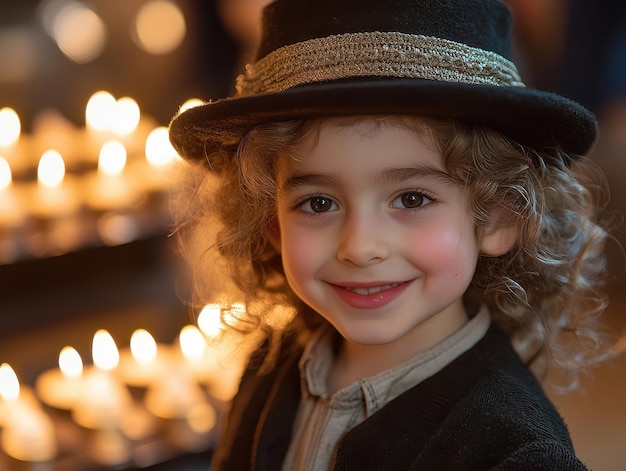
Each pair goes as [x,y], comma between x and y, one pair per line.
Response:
[375,54]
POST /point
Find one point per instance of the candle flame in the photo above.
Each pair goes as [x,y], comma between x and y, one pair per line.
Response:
[5,174]
[9,384]
[105,354]
[143,347]
[192,342]
[100,110]
[70,362]
[10,126]
[191,103]
[51,169]
[112,158]
[159,150]
[209,320]
[127,116]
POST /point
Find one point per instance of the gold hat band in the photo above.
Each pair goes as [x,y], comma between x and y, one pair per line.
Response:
[375,54]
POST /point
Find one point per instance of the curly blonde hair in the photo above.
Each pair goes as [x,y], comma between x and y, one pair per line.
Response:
[544,293]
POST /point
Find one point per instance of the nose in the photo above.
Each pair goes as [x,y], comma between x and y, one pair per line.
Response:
[363,240]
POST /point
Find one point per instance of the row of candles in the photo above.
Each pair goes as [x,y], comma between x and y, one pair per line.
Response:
[176,382]
[114,163]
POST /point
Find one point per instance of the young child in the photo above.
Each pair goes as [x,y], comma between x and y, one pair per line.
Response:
[384,173]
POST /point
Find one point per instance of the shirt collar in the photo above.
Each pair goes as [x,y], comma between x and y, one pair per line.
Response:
[374,392]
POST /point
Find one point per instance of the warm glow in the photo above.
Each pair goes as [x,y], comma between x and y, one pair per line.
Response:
[70,362]
[9,126]
[51,169]
[79,32]
[9,385]
[159,27]
[281,316]
[209,320]
[116,229]
[234,313]
[112,159]
[201,417]
[100,110]
[191,103]
[5,174]
[192,342]
[105,354]
[143,347]
[127,116]
[159,150]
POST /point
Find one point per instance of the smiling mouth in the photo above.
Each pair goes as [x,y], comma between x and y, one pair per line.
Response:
[371,290]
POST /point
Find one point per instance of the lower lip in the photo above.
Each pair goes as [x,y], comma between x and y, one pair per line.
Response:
[370,301]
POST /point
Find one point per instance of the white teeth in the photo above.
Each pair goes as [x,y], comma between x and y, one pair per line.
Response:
[372,290]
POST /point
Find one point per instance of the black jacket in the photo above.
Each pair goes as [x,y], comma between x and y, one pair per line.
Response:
[484,411]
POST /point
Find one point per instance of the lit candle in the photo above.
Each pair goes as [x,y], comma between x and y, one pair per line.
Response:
[107,118]
[199,358]
[227,357]
[28,433]
[11,211]
[190,103]
[56,194]
[60,387]
[99,116]
[108,188]
[141,364]
[10,127]
[103,401]
[174,394]
[210,320]
[154,173]
[127,115]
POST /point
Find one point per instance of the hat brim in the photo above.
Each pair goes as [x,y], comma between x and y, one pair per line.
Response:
[531,117]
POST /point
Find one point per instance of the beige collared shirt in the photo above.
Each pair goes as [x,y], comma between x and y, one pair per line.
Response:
[323,419]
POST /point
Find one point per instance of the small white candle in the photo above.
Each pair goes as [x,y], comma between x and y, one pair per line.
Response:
[126,116]
[11,210]
[108,188]
[213,360]
[228,356]
[10,127]
[174,394]
[198,357]
[210,320]
[28,433]
[59,387]
[103,401]
[154,173]
[56,194]
[144,361]
[100,112]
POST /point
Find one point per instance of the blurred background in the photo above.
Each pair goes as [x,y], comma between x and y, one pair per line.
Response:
[91,287]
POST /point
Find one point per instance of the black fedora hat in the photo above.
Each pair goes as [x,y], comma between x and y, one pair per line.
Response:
[439,58]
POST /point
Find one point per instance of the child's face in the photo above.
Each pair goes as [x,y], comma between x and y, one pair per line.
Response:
[375,236]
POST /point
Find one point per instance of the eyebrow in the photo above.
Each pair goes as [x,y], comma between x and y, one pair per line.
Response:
[420,172]
[388,175]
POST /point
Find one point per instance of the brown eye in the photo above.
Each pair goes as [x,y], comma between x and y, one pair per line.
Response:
[412,200]
[320,204]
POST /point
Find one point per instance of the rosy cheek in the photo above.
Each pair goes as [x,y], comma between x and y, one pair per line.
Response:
[297,257]
[447,249]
